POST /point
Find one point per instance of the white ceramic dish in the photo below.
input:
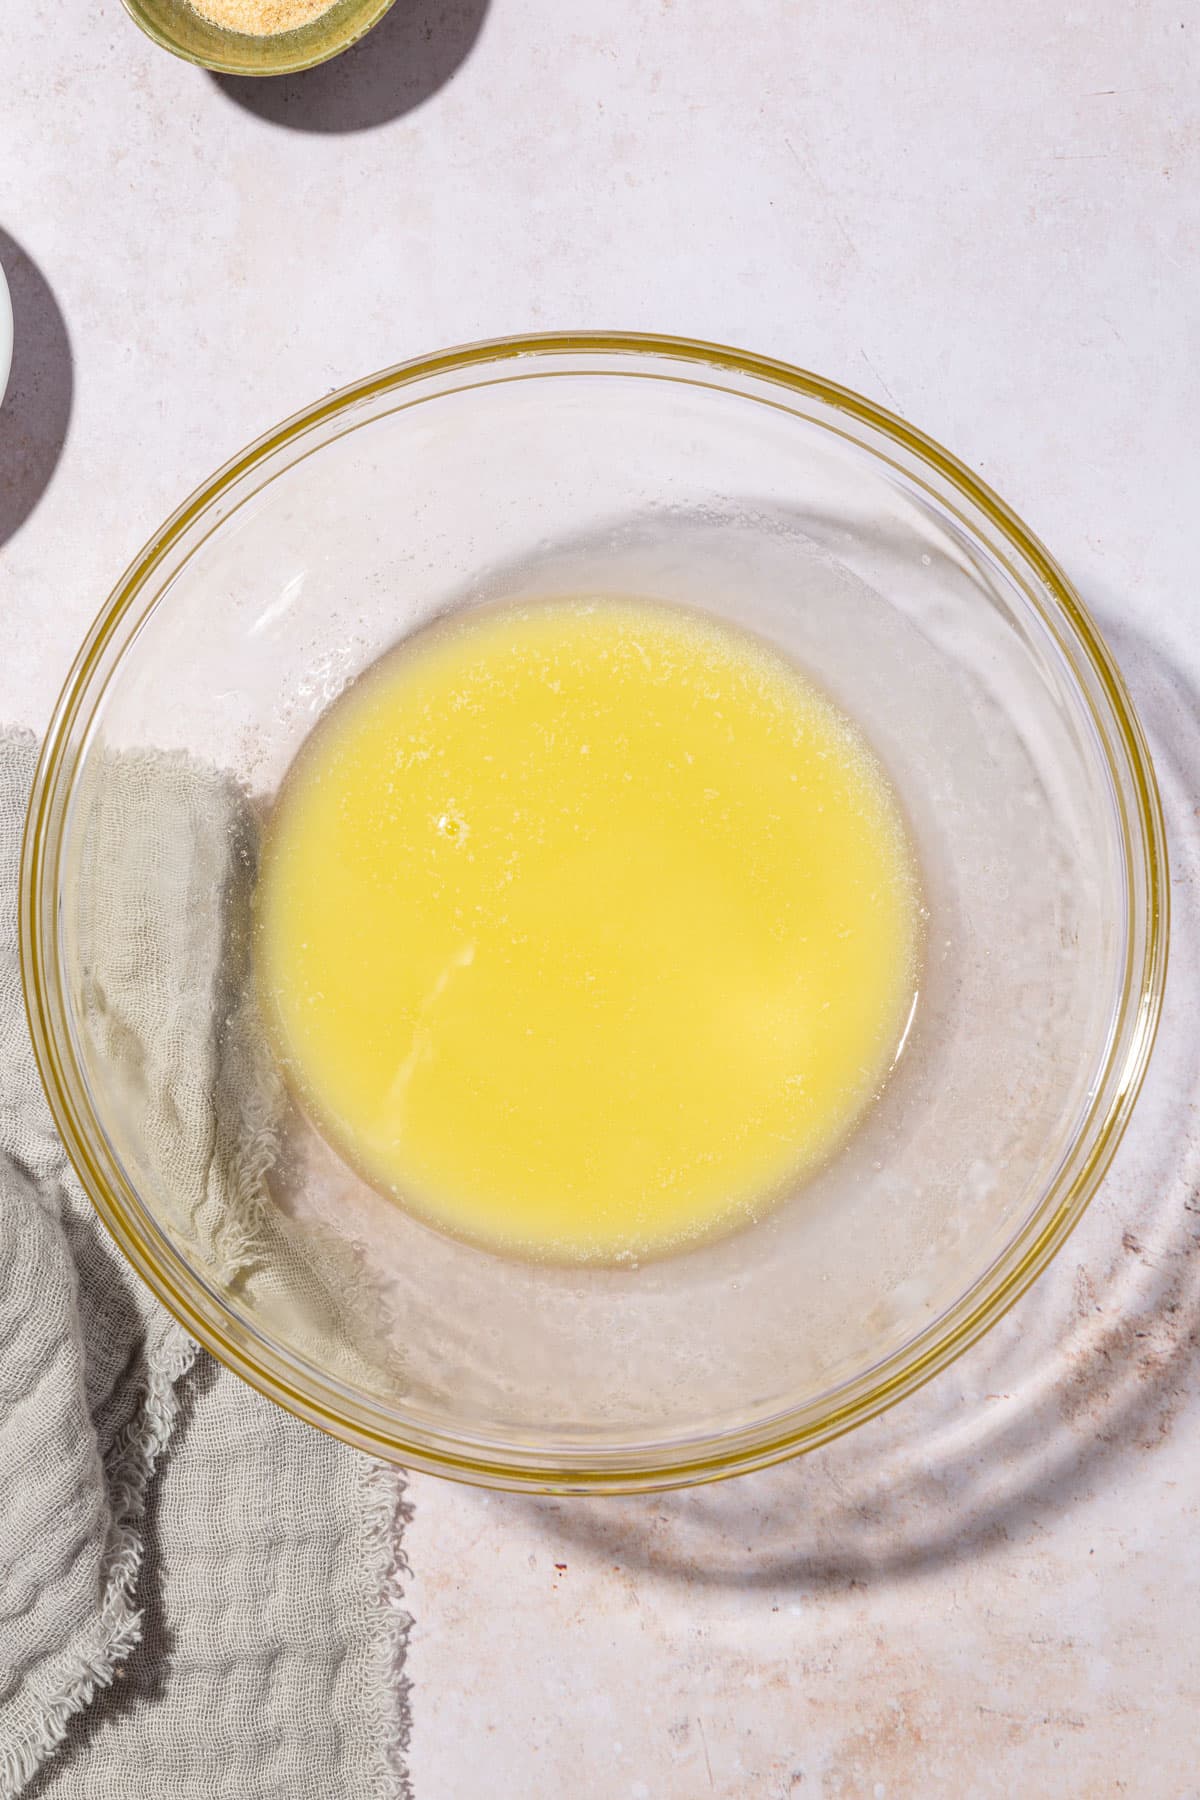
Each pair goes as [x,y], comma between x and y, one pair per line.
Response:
[6,334]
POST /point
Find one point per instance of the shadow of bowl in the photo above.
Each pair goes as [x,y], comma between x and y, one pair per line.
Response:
[413,51]
[36,408]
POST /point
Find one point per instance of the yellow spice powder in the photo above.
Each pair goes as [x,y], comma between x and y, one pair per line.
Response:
[261,18]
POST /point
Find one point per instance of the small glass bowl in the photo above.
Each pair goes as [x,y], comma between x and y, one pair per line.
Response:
[629,466]
[179,28]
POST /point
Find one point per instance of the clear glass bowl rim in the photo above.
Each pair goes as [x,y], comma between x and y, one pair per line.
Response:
[374,1428]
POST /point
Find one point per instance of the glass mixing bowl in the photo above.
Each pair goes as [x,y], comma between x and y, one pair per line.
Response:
[627,466]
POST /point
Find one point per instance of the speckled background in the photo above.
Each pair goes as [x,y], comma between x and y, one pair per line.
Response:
[988,219]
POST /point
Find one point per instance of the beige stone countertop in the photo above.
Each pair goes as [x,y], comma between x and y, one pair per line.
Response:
[988,219]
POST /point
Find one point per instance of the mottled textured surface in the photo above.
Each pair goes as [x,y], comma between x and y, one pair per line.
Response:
[993,225]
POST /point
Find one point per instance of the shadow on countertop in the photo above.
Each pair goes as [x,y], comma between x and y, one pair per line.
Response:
[411,53]
[1045,1411]
[37,406]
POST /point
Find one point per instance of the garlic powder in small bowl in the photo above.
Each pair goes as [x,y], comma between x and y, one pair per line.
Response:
[256,37]
[262,18]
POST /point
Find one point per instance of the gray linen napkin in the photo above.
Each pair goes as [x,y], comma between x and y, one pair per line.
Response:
[199,1595]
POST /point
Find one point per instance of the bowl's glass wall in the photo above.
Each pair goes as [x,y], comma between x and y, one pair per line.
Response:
[608,474]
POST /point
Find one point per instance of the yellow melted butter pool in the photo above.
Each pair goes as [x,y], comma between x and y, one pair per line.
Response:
[586,927]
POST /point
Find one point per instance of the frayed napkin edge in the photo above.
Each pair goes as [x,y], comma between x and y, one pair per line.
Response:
[92,1665]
